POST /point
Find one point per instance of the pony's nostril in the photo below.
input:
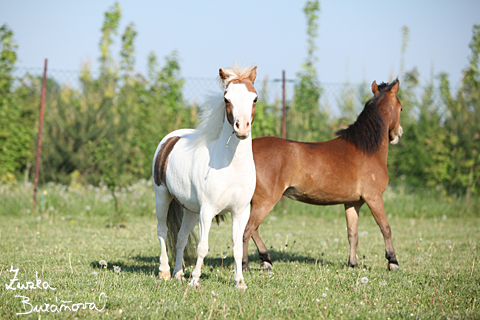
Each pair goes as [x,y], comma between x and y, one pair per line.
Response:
[237,124]
[248,125]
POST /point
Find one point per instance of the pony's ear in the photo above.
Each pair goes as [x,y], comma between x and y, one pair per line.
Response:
[375,89]
[253,75]
[394,89]
[223,75]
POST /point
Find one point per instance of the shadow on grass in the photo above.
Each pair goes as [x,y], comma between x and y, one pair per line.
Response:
[281,256]
[148,265]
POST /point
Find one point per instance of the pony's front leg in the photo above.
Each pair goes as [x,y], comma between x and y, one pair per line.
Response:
[204,224]
[188,223]
[239,221]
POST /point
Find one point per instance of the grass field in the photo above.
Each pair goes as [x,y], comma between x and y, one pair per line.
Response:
[436,242]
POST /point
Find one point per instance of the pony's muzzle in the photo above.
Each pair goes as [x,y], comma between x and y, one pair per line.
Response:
[242,129]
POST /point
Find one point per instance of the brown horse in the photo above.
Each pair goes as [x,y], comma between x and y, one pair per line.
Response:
[350,169]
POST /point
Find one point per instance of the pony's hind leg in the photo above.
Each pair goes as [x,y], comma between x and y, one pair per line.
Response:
[162,202]
[204,224]
[351,213]
[188,223]
[378,211]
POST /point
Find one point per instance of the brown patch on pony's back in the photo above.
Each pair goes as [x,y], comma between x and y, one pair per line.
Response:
[161,161]
[367,131]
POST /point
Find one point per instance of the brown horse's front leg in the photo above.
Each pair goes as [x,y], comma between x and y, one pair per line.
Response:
[378,211]
[246,238]
[266,261]
[258,213]
[264,255]
[351,213]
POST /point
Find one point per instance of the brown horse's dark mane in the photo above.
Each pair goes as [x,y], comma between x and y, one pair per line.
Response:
[367,131]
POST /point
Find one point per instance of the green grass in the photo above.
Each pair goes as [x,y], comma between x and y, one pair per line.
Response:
[435,244]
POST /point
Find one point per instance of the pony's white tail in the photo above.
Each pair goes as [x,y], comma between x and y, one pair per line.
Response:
[174,222]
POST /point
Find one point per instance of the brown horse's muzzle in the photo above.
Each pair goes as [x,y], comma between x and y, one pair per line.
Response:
[395,136]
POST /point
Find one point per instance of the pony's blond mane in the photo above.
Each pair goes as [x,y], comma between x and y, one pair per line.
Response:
[212,111]
[235,73]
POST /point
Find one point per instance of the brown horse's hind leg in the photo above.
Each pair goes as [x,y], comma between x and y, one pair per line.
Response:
[378,211]
[351,212]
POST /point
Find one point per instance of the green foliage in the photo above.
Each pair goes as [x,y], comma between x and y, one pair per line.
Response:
[121,118]
[123,115]
[268,117]
[17,119]
[160,108]
[109,29]
[308,120]
[440,147]
[128,49]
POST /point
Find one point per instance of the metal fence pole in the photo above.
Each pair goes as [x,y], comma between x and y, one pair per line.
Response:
[284,121]
[40,129]
[284,107]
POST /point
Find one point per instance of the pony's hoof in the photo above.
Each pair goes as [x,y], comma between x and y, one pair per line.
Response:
[241,285]
[164,275]
[194,283]
[393,267]
[266,265]
[179,276]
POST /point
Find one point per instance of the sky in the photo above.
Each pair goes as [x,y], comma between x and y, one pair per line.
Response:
[357,40]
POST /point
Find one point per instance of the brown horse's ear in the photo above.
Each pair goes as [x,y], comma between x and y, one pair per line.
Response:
[394,89]
[375,89]
[223,75]
[253,75]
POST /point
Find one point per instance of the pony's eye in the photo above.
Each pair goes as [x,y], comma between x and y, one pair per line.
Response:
[225,99]
[255,100]
[401,109]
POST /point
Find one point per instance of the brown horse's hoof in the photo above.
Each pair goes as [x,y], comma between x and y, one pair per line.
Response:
[393,267]
[164,275]
[266,265]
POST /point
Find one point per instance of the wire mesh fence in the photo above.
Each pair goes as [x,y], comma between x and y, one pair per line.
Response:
[196,89]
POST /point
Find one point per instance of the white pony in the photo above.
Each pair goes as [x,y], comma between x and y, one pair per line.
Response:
[208,171]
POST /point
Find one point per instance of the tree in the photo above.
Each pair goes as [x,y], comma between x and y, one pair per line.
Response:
[307,119]
[17,121]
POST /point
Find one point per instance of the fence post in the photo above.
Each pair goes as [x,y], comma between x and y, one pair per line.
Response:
[284,121]
[40,129]
[284,107]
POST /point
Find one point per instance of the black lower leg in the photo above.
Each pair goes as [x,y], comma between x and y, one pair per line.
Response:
[391,258]
[351,265]
[265,257]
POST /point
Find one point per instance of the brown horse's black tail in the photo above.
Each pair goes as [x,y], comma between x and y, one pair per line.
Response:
[174,222]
